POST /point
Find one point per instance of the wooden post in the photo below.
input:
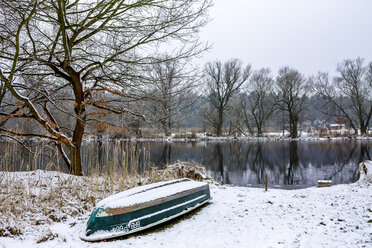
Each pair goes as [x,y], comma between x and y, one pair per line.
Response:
[324,183]
[266,182]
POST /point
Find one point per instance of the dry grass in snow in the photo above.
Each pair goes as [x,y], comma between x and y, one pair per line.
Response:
[36,199]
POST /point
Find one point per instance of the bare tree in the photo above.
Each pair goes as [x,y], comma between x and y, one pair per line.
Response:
[63,56]
[170,92]
[258,105]
[223,80]
[291,89]
[348,95]
[236,114]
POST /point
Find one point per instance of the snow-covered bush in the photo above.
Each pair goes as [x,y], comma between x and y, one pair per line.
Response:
[188,169]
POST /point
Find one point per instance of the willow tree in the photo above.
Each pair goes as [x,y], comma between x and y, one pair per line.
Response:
[60,57]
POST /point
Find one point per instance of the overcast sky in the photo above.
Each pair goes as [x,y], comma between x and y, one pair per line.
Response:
[310,35]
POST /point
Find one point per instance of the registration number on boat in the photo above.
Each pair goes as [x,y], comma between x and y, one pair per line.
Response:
[130,226]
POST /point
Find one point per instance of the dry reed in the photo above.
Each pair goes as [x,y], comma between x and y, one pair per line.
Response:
[35,191]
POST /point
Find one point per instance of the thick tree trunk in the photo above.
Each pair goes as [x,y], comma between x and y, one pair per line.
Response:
[167,126]
[79,109]
[259,124]
[76,168]
[75,152]
[219,123]
[294,133]
[259,131]
[166,131]
[293,126]
[363,129]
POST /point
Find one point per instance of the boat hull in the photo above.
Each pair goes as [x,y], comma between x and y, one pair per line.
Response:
[106,223]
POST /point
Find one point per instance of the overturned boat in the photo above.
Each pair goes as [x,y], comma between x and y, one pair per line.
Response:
[143,207]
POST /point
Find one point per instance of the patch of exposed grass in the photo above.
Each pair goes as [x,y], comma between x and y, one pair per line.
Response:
[10,231]
[47,236]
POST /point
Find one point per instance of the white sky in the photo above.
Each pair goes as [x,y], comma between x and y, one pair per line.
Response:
[310,35]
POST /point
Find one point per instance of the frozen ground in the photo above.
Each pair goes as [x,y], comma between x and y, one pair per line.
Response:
[339,216]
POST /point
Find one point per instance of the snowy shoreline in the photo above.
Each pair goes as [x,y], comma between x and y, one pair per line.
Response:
[233,139]
[203,138]
[338,216]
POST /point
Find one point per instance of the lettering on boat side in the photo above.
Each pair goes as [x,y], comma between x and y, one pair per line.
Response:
[127,228]
[120,228]
[134,225]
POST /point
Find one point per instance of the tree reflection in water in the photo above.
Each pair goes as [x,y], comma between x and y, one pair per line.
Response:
[287,163]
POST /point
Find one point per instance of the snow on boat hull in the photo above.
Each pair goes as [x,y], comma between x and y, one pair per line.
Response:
[143,207]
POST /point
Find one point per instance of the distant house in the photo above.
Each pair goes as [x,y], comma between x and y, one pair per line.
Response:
[337,127]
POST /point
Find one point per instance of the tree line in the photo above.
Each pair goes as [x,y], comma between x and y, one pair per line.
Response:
[235,95]
[67,66]
[345,98]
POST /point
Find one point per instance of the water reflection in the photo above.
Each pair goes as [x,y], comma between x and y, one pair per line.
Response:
[287,163]
[165,156]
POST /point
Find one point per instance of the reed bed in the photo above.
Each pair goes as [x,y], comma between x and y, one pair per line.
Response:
[36,191]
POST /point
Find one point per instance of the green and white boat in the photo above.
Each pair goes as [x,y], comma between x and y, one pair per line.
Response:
[143,207]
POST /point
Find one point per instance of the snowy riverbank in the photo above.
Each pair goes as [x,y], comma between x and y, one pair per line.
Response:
[201,137]
[339,216]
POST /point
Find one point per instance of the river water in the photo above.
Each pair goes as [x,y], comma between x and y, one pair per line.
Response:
[288,164]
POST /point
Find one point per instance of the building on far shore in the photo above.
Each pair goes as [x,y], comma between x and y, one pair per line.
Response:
[336,127]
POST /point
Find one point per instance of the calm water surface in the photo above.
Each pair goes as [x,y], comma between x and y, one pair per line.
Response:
[288,164]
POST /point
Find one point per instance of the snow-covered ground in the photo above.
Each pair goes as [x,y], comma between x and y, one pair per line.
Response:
[338,216]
